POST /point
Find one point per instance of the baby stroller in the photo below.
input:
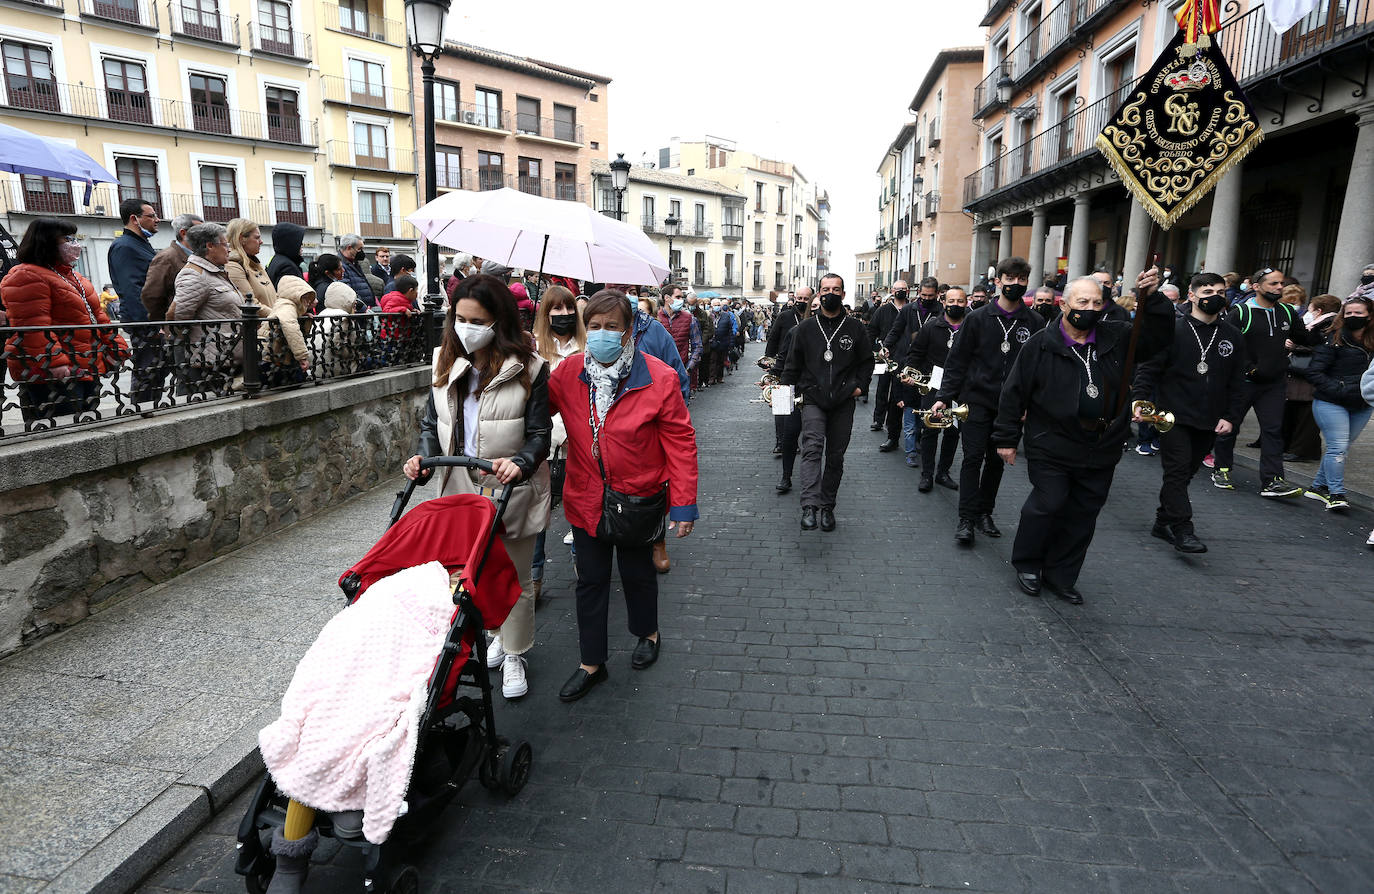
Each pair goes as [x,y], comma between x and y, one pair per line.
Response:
[457,730]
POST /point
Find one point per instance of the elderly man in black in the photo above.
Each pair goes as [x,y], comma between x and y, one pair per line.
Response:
[1070,388]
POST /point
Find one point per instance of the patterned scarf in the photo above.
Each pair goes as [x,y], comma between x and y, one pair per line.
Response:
[604,379]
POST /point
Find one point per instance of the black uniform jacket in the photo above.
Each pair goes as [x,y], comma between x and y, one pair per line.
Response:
[881,322]
[829,383]
[1046,388]
[909,321]
[1265,333]
[927,350]
[787,319]
[976,366]
[1170,378]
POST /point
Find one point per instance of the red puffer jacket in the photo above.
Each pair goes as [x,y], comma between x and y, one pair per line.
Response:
[647,439]
[39,296]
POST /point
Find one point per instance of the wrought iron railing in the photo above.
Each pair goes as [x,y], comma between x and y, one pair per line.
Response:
[551,128]
[932,203]
[366,93]
[472,115]
[285,42]
[360,23]
[61,377]
[933,132]
[371,157]
[985,94]
[139,13]
[190,21]
[732,232]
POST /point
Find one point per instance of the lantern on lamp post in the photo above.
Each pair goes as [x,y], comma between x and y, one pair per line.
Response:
[620,181]
[425,33]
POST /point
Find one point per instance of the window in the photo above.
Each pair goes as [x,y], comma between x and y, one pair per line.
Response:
[699,219]
[126,92]
[445,100]
[448,167]
[119,10]
[490,172]
[777,276]
[1061,144]
[374,214]
[647,205]
[138,180]
[526,115]
[758,237]
[699,268]
[529,176]
[45,195]
[288,196]
[675,208]
[782,238]
[1118,75]
[758,274]
[782,195]
[565,181]
[218,193]
[274,27]
[674,262]
[488,112]
[283,116]
[565,123]
[29,77]
[730,270]
[200,18]
[366,83]
[369,145]
[758,196]
[353,16]
[209,104]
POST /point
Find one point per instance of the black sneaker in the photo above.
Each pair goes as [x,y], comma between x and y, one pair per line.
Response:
[1277,487]
[1162,531]
[1320,493]
[1337,502]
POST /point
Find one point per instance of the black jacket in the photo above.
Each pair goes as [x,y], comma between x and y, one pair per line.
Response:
[538,429]
[286,251]
[1170,379]
[786,321]
[1265,332]
[1115,312]
[925,350]
[1335,374]
[1046,387]
[880,322]
[976,366]
[828,384]
[909,321]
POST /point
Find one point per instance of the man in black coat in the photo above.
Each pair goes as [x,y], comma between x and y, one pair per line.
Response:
[1200,378]
[830,364]
[785,321]
[1070,389]
[929,352]
[886,415]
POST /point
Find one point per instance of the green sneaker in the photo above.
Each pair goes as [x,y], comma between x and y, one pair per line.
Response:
[1222,478]
[1277,487]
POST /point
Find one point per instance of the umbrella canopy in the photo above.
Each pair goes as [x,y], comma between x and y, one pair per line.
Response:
[708,294]
[26,153]
[559,237]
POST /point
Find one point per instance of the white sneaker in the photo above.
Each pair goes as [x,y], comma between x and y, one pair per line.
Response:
[568,538]
[1370,541]
[513,682]
[495,654]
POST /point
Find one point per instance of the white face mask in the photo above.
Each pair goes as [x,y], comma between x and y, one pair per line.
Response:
[474,337]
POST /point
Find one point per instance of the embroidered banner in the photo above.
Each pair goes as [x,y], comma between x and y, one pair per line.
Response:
[1183,126]
[1199,18]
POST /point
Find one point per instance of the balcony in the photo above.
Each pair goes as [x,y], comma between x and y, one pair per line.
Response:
[1063,25]
[470,115]
[284,42]
[758,284]
[134,13]
[48,5]
[933,132]
[371,157]
[985,94]
[700,278]
[382,227]
[758,246]
[732,281]
[534,186]
[134,107]
[932,203]
[535,128]
[568,192]
[732,232]
[779,249]
[16,199]
[367,95]
[363,24]
[190,22]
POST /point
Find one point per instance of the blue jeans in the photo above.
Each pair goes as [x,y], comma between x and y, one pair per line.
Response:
[1340,427]
[911,432]
[537,567]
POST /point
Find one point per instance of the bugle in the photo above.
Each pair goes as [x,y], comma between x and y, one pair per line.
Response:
[768,396]
[943,418]
[1162,420]
[915,378]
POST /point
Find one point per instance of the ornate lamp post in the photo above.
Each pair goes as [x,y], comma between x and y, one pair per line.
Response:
[425,32]
[620,181]
[672,225]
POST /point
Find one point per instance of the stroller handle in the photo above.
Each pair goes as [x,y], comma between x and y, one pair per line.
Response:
[437,462]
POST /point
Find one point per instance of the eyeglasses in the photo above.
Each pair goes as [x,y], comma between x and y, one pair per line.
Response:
[1265,272]
[71,240]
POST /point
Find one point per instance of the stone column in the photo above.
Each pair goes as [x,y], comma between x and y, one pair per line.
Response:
[1223,229]
[1355,237]
[1137,244]
[1004,242]
[1079,245]
[978,257]
[1039,223]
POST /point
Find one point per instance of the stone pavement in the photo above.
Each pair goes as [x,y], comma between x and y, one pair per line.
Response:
[875,708]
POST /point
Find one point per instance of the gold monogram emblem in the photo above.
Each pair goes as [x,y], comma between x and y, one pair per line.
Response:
[1183,115]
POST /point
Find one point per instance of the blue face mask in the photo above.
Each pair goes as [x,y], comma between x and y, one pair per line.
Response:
[147,234]
[676,305]
[604,345]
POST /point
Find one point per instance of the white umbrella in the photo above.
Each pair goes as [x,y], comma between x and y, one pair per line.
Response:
[560,237]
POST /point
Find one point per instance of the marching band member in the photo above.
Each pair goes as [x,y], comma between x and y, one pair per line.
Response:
[787,319]
[1066,389]
[886,414]
[930,351]
[914,315]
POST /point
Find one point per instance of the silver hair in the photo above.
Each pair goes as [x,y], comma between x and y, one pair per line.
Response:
[1086,282]
[1048,289]
[202,235]
[185,222]
[348,240]
[1171,290]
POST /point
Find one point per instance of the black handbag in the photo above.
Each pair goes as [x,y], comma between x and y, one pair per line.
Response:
[627,520]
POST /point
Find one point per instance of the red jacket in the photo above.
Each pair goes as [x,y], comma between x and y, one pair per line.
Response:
[395,303]
[647,439]
[39,296]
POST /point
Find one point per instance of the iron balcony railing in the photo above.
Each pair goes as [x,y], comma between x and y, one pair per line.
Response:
[700,277]
[371,157]
[535,186]
[50,5]
[365,93]
[375,226]
[731,281]
[71,376]
[467,114]
[191,21]
[933,132]
[138,13]
[60,198]
[687,229]
[732,232]
[287,43]
[1065,24]
[363,24]
[549,128]
[932,203]
[985,94]
[758,246]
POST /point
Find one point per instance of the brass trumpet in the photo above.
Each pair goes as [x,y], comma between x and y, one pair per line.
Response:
[768,380]
[768,396]
[767,363]
[1162,420]
[944,418]
[915,378]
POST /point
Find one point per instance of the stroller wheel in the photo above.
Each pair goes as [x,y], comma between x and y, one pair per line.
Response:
[404,879]
[515,768]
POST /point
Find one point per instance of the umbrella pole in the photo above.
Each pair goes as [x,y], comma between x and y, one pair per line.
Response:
[539,280]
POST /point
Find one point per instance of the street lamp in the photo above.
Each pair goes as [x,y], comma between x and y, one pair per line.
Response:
[620,181]
[425,31]
[672,225]
[919,184]
[1004,86]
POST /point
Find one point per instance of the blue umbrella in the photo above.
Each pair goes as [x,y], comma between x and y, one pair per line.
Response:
[708,294]
[25,153]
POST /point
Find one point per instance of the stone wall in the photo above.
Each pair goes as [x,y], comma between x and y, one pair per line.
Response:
[88,516]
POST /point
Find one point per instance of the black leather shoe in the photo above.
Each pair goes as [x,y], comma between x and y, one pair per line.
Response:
[777,451]
[1068,594]
[877,426]
[827,520]
[580,683]
[963,535]
[808,518]
[944,480]
[887,446]
[645,653]
[927,484]
[1162,531]
[784,485]
[1185,541]
[987,528]
[1029,583]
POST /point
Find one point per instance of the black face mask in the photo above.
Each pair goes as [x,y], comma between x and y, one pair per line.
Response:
[1356,324]
[929,303]
[1083,320]
[899,295]
[563,324]
[1046,310]
[832,301]
[1211,304]
[976,303]
[1014,292]
[1367,279]
[956,312]
[1106,293]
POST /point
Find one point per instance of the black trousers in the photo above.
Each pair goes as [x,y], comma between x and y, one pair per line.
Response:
[638,579]
[882,396]
[1268,401]
[981,473]
[1301,437]
[824,439]
[1181,451]
[1058,520]
[790,427]
[152,362]
[929,437]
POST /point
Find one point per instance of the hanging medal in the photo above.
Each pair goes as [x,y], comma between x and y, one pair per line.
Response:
[1086,359]
[1006,335]
[829,355]
[1202,366]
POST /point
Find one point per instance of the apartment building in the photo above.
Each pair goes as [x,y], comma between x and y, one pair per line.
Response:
[504,120]
[894,208]
[822,234]
[1054,73]
[865,277]
[705,250]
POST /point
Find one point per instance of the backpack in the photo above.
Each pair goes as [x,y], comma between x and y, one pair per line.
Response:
[1246,316]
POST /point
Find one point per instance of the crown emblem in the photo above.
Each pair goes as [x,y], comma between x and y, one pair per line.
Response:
[1186,80]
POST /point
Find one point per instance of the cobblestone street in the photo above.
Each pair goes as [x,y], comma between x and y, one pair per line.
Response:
[876,708]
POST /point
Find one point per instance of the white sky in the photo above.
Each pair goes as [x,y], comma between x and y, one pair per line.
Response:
[823,86]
